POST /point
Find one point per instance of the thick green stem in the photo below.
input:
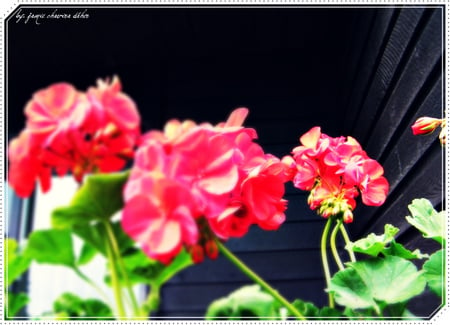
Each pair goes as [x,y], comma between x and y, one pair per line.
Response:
[252,275]
[118,258]
[115,280]
[347,243]
[326,267]
[333,245]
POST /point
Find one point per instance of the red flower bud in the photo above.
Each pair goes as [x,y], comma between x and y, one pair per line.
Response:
[425,125]
[348,216]
[211,249]
[197,253]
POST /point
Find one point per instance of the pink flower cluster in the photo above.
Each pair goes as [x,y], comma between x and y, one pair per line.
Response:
[335,171]
[194,181]
[68,130]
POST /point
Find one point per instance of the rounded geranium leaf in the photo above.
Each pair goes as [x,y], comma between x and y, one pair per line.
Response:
[434,272]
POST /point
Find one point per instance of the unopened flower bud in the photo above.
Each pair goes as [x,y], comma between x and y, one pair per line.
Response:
[326,213]
[197,253]
[348,216]
[425,125]
[211,249]
[336,209]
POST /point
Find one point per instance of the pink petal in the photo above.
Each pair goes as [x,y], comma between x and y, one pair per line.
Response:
[375,192]
[237,117]
[311,138]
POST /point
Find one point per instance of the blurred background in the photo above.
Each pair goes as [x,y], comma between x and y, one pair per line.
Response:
[368,72]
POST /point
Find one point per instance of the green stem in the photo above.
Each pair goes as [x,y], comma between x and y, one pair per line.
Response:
[90,282]
[118,258]
[347,243]
[152,301]
[252,275]
[326,267]
[333,244]
[115,279]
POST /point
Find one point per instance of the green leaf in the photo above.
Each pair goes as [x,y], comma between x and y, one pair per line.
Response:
[87,254]
[374,244]
[307,309]
[97,308]
[70,306]
[425,218]
[142,269]
[53,246]
[17,264]
[248,301]
[68,303]
[434,272]
[99,198]
[181,261]
[15,303]
[328,313]
[96,235]
[396,249]
[351,291]
[396,310]
[66,217]
[371,282]
[391,279]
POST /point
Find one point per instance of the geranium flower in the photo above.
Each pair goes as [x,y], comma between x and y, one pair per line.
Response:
[51,108]
[25,165]
[74,131]
[231,184]
[160,217]
[257,200]
[336,171]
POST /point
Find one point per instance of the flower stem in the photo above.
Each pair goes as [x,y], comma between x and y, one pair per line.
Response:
[115,279]
[152,302]
[333,244]
[347,242]
[92,283]
[252,275]
[118,259]
[326,267]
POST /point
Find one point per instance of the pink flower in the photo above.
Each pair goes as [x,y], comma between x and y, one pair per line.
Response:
[160,218]
[77,132]
[228,182]
[336,171]
[51,108]
[25,165]
[374,187]
[258,200]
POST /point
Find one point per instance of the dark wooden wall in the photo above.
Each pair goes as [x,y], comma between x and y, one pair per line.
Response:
[365,72]
[399,78]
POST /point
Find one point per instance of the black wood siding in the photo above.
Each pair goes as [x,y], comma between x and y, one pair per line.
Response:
[365,72]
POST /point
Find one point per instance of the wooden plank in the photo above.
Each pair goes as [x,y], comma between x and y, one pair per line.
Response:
[423,181]
[280,265]
[353,58]
[285,238]
[372,49]
[425,55]
[408,149]
[387,68]
[198,297]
